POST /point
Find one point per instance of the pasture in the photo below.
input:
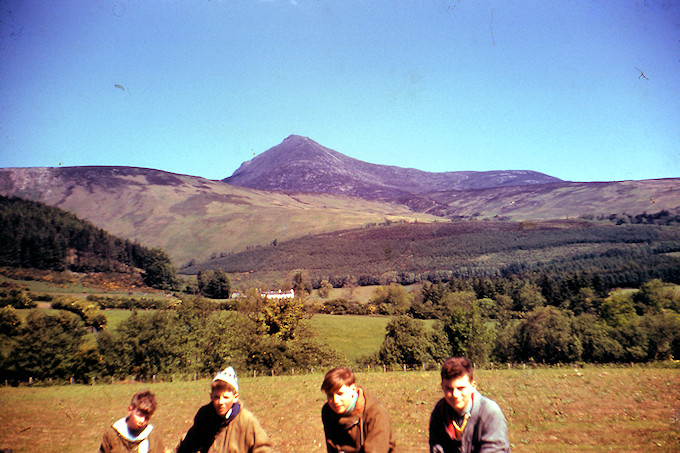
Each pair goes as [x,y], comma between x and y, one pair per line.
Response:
[556,409]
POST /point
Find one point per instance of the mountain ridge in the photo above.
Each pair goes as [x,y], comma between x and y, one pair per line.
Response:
[196,218]
[301,164]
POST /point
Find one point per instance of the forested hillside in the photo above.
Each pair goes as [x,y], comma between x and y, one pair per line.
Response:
[623,250]
[33,235]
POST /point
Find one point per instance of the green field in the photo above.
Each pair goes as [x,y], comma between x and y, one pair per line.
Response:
[352,336]
[548,409]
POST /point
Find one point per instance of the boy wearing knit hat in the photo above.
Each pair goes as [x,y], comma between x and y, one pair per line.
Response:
[134,433]
[223,425]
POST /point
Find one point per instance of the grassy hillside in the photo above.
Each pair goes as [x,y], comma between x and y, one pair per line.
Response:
[548,409]
[191,217]
[561,200]
[196,218]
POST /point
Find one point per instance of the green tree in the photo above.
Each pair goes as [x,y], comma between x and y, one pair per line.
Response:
[214,284]
[230,338]
[546,335]
[597,340]
[391,300]
[406,342]
[325,289]
[144,345]
[467,333]
[663,332]
[301,285]
[527,296]
[617,309]
[654,296]
[47,347]
[160,272]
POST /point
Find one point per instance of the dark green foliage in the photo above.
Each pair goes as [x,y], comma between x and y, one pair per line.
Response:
[344,307]
[391,300]
[406,342]
[16,297]
[86,310]
[144,345]
[214,284]
[39,236]
[466,332]
[597,342]
[663,333]
[198,338]
[546,335]
[160,273]
[301,285]
[129,303]
[571,253]
[47,347]
[9,322]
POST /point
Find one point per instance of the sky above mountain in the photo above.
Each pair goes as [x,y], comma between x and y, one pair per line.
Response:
[583,90]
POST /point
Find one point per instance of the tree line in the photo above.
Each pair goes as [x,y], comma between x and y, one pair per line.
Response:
[194,337]
[490,321]
[516,322]
[34,235]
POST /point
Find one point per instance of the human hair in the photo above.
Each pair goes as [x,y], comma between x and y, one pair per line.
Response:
[222,386]
[456,367]
[145,401]
[336,378]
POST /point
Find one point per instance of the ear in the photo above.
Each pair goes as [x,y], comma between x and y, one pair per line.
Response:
[473,384]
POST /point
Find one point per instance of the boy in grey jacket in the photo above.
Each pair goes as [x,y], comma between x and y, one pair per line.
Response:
[464,421]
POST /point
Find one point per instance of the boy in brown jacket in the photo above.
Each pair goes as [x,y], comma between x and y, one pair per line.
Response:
[134,433]
[223,425]
[354,421]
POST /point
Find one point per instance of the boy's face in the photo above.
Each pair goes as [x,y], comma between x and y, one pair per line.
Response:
[222,401]
[137,419]
[458,392]
[342,399]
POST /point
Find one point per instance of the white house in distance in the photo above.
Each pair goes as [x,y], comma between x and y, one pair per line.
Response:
[290,294]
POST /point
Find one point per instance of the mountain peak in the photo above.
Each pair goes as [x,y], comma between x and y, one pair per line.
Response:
[299,164]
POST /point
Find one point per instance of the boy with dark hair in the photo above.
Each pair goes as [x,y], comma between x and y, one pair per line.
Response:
[464,420]
[223,425]
[354,421]
[134,433]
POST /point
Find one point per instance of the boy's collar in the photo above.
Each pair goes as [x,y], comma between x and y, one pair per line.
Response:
[122,428]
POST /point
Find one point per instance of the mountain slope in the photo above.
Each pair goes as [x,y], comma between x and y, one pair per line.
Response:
[552,201]
[191,217]
[301,164]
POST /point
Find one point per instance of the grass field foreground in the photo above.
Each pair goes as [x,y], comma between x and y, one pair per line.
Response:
[548,409]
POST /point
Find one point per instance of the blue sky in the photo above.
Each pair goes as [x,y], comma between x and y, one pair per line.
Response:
[584,90]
